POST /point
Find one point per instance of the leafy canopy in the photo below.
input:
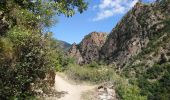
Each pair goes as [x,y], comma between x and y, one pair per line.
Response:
[40,12]
[27,54]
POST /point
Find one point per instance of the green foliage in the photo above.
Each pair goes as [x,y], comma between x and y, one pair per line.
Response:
[160,40]
[59,57]
[86,73]
[26,53]
[126,89]
[130,92]
[39,13]
[93,64]
[167,23]
[154,82]
[60,6]
[102,73]
[62,61]
[27,60]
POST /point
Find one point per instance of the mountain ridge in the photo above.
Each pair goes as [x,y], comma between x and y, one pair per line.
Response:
[131,35]
[137,49]
[89,48]
[64,45]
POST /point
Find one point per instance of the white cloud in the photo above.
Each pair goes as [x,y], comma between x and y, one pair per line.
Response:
[109,8]
[132,4]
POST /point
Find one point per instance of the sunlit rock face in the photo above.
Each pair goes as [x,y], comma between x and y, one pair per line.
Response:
[130,36]
[134,32]
[74,52]
[89,48]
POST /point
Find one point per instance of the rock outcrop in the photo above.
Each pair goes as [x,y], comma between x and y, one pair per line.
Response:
[131,35]
[3,23]
[106,91]
[75,53]
[134,32]
[89,48]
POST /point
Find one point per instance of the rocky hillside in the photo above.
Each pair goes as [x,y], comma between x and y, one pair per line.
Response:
[138,27]
[64,45]
[130,36]
[89,48]
[139,47]
[74,52]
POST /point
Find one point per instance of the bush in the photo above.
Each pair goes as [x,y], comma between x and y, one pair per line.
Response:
[26,53]
[154,83]
[26,57]
[93,64]
[130,92]
[100,74]
[125,90]
[86,73]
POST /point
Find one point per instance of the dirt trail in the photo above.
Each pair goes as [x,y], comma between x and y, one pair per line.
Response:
[72,92]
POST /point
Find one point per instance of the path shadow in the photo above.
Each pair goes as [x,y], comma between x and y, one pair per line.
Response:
[61,94]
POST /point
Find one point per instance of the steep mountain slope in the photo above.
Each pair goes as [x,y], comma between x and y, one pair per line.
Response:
[64,45]
[139,47]
[88,50]
[74,52]
[138,27]
[150,69]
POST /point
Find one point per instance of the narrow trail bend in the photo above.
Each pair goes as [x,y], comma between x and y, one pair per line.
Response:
[72,92]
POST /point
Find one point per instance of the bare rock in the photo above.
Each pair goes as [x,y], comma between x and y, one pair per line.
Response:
[75,53]
[133,33]
[89,48]
[106,91]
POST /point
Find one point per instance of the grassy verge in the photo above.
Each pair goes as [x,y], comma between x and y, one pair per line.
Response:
[92,74]
[101,74]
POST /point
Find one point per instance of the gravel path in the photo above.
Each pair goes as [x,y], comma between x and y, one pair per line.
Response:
[71,91]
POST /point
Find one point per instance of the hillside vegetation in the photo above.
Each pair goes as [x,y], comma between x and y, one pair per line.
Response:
[28,54]
[135,56]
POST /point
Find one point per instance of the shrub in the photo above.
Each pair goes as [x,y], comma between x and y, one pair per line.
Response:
[100,74]
[26,57]
[93,64]
[125,90]
[86,73]
[154,83]
[130,92]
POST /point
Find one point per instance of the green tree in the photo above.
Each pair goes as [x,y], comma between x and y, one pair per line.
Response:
[27,53]
[39,13]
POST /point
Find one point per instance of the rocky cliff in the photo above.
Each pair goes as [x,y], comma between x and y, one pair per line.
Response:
[88,49]
[75,53]
[139,47]
[138,27]
[142,24]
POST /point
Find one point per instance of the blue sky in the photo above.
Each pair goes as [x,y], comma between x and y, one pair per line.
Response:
[101,16]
